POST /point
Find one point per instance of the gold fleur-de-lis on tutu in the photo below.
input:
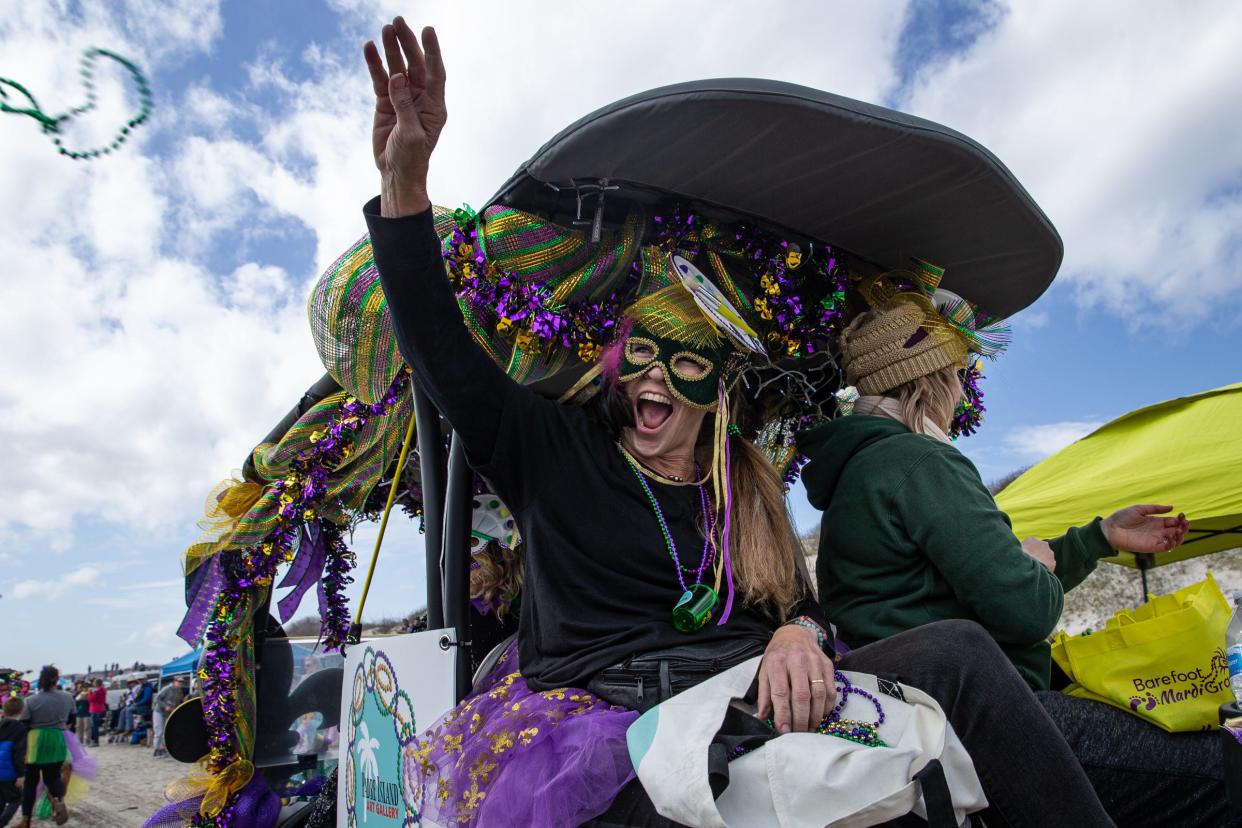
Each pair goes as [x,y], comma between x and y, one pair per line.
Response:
[526,735]
[422,756]
[482,769]
[501,741]
[470,801]
[452,742]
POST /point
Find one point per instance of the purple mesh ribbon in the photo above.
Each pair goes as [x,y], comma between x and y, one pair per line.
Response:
[305,572]
[201,599]
[256,806]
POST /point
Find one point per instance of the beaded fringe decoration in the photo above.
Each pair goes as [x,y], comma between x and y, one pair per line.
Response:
[53,124]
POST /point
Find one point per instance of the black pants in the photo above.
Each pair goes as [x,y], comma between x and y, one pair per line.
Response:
[51,780]
[1028,771]
[1145,776]
[10,799]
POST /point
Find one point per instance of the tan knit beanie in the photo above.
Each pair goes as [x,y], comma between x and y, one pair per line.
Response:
[889,347]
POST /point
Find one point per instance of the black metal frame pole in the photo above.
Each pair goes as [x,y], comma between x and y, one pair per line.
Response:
[1143,562]
[458,497]
[431,475]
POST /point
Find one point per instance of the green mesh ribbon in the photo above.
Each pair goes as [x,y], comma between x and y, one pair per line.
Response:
[353,332]
[375,447]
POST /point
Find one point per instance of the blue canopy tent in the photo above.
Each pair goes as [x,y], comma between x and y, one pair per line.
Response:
[182,665]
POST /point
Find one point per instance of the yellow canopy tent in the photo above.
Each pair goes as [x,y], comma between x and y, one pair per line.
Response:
[1187,452]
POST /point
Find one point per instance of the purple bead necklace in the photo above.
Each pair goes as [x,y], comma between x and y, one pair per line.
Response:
[709,552]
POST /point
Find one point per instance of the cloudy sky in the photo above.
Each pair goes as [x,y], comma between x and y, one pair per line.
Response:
[152,320]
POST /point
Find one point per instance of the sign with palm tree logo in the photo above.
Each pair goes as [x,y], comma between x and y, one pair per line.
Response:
[391,685]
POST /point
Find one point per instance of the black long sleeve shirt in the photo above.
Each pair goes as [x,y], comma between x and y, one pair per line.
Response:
[599,583]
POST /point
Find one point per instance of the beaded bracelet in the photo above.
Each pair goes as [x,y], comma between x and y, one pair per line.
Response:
[807,623]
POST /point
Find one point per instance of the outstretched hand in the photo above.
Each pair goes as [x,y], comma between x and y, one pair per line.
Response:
[409,114]
[1143,529]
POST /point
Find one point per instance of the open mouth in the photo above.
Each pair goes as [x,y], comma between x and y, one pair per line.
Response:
[652,411]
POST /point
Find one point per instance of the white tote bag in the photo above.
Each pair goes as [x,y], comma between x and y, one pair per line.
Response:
[799,780]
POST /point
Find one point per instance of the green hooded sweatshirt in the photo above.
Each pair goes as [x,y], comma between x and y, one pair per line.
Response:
[910,535]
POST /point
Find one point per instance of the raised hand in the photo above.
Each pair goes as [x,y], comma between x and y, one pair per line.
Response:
[409,114]
[1143,529]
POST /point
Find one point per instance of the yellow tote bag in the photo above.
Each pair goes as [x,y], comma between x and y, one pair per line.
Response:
[1163,661]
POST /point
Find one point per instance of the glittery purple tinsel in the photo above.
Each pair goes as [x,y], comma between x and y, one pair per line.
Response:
[300,493]
[968,415]
[219,699]
[800,303]
[801,297]
[336,577]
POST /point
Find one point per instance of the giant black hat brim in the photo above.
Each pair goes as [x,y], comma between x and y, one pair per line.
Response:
[882,184]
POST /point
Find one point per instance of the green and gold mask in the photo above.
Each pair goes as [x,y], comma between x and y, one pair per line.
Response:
[692,374]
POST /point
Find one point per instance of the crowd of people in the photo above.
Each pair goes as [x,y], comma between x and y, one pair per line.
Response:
[43,735]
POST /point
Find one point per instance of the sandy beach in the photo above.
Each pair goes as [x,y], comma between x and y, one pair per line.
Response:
[128,789]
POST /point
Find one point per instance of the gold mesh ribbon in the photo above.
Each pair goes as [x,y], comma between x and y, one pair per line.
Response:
[227,502]
[214,788]
[672,313]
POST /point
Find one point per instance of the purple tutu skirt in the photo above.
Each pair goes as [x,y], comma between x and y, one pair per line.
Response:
[511,756]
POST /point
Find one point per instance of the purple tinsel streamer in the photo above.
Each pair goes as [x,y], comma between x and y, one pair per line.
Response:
[968,415]
[306,570]
[208,584]
[333,605]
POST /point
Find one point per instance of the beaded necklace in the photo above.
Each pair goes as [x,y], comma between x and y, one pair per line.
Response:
[52,124]
[853,730]
[665,479]
[698,601]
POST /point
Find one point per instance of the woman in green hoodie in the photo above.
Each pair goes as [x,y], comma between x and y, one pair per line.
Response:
[911,536]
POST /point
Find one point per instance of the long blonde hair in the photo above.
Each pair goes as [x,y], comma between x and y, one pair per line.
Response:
[769,566]
[497,575]
[933,397]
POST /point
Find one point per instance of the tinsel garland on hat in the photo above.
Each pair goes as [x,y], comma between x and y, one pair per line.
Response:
[798,304]
[968,415]
[795,297]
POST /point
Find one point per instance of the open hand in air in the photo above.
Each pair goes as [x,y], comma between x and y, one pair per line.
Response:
[1143,528]
[409,114]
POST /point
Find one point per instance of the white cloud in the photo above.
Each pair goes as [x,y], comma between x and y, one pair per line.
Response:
[52,589]
[158,638]
[1030,320]
[1119,121]
[1038,441]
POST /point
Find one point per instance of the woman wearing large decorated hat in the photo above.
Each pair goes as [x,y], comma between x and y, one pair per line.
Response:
[912,535]
[654,532]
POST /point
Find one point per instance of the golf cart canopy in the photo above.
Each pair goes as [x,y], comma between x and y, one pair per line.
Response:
[881,184]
